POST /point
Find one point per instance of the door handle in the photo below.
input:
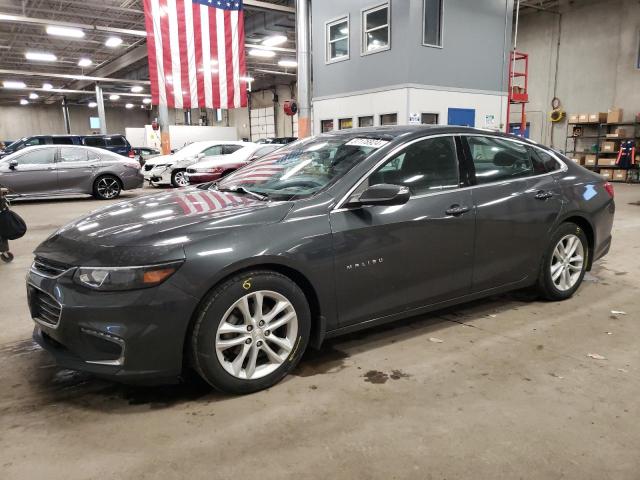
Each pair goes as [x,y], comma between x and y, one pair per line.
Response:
[542,195]
[456,210]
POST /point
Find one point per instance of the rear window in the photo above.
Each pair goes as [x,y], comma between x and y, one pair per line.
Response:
[63,141]
[118,142]
[95,142]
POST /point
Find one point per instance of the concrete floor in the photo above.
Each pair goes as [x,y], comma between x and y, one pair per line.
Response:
[509,393]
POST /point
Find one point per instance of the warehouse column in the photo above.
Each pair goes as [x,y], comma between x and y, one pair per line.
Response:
[163,121]
[304,74]
[65,115]
[101,115]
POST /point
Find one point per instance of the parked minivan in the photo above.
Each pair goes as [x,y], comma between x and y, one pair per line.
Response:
[35,140]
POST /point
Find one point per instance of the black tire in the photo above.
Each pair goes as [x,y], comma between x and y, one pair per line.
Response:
[177,176]
[546,286]
[211,314]
[6,257]
[107,187]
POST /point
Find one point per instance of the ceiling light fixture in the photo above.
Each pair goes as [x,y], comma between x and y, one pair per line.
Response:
[24,101]
[114,97]
[65,31]
[274,40]
[136,89]
[113,42]
[146,101]
[33,95]
[92,105]
[40,57]
[84,62]
[13,84]
[47,86]
[288,63]
[255,52]
[129,105]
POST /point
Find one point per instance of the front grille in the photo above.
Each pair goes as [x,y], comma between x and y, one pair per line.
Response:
[44,307]
[191,170]
[49,268]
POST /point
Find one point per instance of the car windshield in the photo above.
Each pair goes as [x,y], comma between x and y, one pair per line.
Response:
[191,150]
[303,168]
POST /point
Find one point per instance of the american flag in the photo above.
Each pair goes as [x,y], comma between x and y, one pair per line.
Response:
[196,53]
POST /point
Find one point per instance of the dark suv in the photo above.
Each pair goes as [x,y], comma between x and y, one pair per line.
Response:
[35,140]
[114,143]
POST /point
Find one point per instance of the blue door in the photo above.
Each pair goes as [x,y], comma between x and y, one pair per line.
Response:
[514,129]
[465,117]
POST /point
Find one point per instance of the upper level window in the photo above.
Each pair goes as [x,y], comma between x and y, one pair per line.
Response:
[432,23]
[389,119]
[337,34]
[376,34]
[326,126]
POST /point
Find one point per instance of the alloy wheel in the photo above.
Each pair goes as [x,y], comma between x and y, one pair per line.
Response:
[181,179]
[256,334]
[108,187]
[567,262]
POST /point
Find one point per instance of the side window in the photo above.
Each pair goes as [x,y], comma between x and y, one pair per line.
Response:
[62,141]
[432,23]
[212,151]
[95,142]
[37,157]
[73,154]
[117,142]
[496,159]
[543,162]
[227,149]
[93,156]
[35,141]
[425,166]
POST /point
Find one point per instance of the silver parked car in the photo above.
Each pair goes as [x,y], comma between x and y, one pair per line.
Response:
[66,170]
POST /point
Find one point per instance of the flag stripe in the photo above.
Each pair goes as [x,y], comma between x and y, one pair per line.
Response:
[166,51]
[228,50]
[235,58]
[206,56]
[192,94]
[243,65]
[153,67]
[198,39]
[184,53]
[222,57]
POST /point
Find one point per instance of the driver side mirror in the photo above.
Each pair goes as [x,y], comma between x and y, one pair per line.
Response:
[13,164]
[383,194]
[200,155]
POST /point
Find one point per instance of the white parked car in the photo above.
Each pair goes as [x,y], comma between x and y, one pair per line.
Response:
[170,169]
[213,168]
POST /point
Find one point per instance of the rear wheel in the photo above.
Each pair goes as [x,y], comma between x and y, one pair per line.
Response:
[179,178]
[250,332]
[565,263]
[107,187]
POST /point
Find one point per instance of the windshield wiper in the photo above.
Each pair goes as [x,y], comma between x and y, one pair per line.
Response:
[238,189]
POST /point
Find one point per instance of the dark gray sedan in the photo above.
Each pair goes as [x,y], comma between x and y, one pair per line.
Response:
[68,170]
[325,236]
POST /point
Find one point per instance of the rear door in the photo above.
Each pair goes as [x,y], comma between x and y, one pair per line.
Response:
[75,167]
[35,172]
[517,201]
[394,259]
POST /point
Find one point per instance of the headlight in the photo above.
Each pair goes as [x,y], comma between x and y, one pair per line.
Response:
[124,278]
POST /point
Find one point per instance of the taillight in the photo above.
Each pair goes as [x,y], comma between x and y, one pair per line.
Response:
[609,188]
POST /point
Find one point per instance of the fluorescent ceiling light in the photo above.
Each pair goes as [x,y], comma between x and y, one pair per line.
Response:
[114,97]
[255,52]
[40,57]
[274,40]
[13,84]
[129,105]
[92,105]
[4,16]
[84,62]
[113,42]
[33,95]
[24,101]
[47,86]
[288,63]
[137,89]
[146,101]
[247,79]
[65,31]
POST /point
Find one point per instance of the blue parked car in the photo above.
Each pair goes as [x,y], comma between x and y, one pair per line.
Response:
[114,143]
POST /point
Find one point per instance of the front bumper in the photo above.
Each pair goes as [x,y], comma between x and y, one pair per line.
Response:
[158,175]
[132,336]
[195,178]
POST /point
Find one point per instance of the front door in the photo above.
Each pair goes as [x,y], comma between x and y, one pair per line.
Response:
[517,201]
[390,259]
[34,173]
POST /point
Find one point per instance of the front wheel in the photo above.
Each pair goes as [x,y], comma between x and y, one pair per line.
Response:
[179,178]
[107,187]
[250,332]
[565,263]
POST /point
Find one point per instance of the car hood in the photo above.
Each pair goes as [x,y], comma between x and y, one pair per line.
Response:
[163,220]
[161,160]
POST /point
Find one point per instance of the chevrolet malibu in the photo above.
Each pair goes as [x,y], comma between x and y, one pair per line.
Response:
[325,236]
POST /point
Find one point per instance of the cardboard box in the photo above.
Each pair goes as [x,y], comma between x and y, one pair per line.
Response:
[583,118]
[607,161]
[590,159]
[614,115]
[619,175]
[618,133]
[579,159]
[607,173]
[608,147]
[574,117]
[599,117]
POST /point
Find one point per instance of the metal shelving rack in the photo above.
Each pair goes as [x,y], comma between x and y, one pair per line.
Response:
[601,136]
